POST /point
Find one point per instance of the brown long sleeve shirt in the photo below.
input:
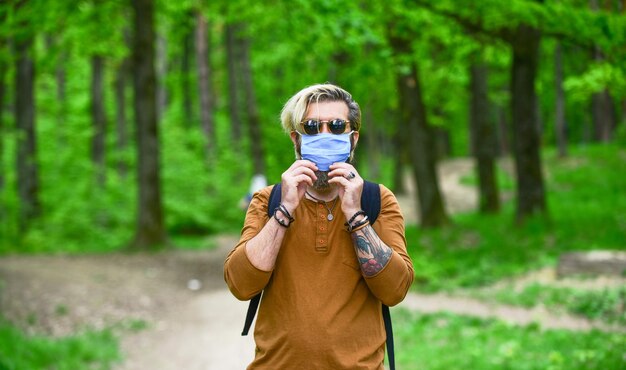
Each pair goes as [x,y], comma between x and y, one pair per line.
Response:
[318,311]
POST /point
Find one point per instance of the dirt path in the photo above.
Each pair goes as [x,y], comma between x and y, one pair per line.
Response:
[194,322]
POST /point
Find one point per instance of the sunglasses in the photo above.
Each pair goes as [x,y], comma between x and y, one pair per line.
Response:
[313,126]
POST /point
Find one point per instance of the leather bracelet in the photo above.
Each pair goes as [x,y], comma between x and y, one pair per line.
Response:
[361,212]
[281,222]
[284,211]
[359,227]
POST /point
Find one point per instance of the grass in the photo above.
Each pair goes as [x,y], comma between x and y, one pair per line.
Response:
[608,304]
[587,210]
[192,242]
[90,349]
[448,342]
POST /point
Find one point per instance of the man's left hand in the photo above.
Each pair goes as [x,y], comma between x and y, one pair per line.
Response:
[349,185]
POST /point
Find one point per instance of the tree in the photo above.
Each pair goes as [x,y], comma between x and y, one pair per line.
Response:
[602,105]
[531,197]
[3,74]
[233,60]
[150,231]
[254,122]
[374,141]
[98,116]
[560,127]
[420,134]
[422,153]
[524,41]
[161,70]
[204,83]
[483,137]
[185,68]
[400,145]
[121,130]
[27,168]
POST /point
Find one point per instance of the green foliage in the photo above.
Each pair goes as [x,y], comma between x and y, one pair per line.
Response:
[445,341]
[598,77]
[554,18]
[587,211]
[86,350]
[292,45]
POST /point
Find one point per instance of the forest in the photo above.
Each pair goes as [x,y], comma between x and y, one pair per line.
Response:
[124,124]
[138,125]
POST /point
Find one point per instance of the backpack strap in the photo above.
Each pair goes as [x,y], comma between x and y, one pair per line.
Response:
[389,342]
[273,202]
[370,200]
[252,307]
[370,203]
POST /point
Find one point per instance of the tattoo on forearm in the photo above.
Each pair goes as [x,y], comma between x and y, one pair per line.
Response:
[373,255]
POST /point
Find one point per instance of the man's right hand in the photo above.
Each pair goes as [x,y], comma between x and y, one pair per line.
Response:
[295,181]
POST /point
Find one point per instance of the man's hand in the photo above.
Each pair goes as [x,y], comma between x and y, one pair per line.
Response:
[349,185]
[294,183]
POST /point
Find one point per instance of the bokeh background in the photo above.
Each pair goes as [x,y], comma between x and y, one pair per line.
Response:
[138,126]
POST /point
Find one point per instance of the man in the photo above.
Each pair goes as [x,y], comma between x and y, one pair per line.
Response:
[323,268]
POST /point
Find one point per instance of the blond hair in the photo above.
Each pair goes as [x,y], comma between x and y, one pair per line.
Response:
[294,110]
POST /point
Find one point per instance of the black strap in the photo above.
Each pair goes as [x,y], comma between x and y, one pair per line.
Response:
[370,203]
[370,200]
[254,304]
[389,331]
[274,200]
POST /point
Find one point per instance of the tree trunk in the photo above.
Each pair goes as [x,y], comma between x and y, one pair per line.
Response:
[27,169]
[526,141]
[254,122]
[98,116]
[399,140]
[602,106]
[374,143]
[603,116]
[161,70]
[121,129]
[3,73]
[484,142]
[559,109]
[504,131]
[232,60]
[421,151]
[61,84]
[188,115]
[204,84]
[150,231]
[623,110]
[61,78]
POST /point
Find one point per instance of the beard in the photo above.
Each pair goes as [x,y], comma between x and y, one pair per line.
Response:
[321,184]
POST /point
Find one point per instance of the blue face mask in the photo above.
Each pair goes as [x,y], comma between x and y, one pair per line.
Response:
[325,149]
